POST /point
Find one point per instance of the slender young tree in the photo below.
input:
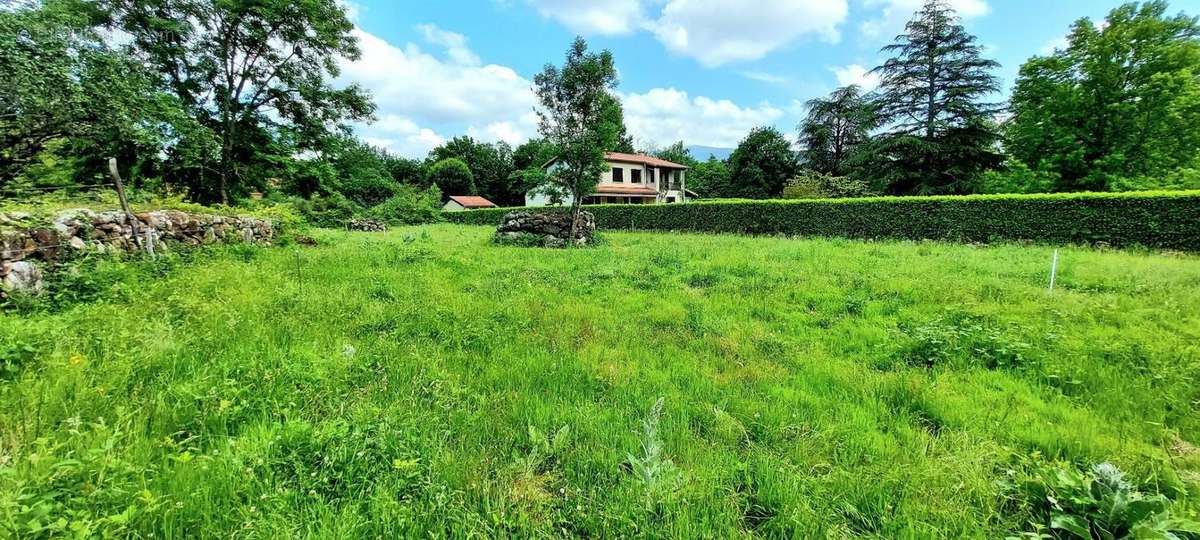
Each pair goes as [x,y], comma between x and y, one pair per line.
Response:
[573,99]
[242,65]
[835,127]
[940,131]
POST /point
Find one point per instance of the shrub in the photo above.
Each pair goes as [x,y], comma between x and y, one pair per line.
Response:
[453,177]
[334,210]
[1098,503]
[815,185]
[410,206]
[1169,220]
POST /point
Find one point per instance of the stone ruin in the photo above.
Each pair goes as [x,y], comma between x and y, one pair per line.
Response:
[27,242]
[548,229]
[367,225]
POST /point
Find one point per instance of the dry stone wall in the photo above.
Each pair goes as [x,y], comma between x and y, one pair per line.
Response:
[551,229]
[28,243]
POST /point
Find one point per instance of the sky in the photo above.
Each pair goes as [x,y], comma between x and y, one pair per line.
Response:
[702,71]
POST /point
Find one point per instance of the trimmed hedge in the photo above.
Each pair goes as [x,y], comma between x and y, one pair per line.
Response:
[1168,220]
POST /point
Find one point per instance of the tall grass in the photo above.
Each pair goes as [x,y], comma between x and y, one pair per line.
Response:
[426,382]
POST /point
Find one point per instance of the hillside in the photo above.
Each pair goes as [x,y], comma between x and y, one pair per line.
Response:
[427,382]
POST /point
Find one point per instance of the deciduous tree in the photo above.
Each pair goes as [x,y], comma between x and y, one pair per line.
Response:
[573,99]
[760,165]
[1120,101]
[240,64]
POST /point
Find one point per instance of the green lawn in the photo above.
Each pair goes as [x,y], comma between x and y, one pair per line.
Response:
[425,382]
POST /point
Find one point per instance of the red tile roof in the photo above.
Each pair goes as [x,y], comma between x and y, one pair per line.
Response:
[609,189]
[643,160]
[471,201]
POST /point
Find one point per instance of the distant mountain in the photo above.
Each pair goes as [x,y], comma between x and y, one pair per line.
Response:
[702,152]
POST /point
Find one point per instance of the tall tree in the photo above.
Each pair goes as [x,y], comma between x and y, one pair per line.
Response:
[760,165]
[1121,100]
[677,153]
[834,129]
[940,134]
[66,87]
[613,114]
[238,64]
[572,100]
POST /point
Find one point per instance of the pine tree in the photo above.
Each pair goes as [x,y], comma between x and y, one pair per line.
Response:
[834,128]
[941,135]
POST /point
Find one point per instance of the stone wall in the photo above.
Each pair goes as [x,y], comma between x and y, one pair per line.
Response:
[550,229]
[28,243]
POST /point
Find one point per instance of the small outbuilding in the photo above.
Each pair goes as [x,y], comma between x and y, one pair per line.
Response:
[459,203]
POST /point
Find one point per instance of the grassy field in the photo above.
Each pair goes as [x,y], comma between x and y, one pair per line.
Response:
[425,382]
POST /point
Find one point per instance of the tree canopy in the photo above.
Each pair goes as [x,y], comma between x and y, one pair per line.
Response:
[759,166]
[939,132]
[1120,101]
[834,129]
[573,101]
[238,67]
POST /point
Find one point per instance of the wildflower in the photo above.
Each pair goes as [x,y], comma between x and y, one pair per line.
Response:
[76,360]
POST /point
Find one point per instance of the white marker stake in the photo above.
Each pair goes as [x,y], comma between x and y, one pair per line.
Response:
[1053,270]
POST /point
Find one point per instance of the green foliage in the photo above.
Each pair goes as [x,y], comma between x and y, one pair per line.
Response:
[1016,177]
[452,176]
[834,129]
[333,210]
[410,206]
[612,120]
[816,185]
[70,99]
[574,101]
[677,153]
[1121,100]
[1099,503]
[710,178]
[940,136]
[383,385]
[491,167]
[232,63]
[1151,219]
[758,167]
[960,342]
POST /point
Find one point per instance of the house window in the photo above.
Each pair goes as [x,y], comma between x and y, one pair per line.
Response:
[618,174]
[635,176]
[650,175]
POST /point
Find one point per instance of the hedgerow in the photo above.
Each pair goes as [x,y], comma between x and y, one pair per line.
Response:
[1157,219]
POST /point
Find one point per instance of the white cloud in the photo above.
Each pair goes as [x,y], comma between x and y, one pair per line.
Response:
[665,115]
[1058,43]
[762,76]
[402,136]
[604,17]
[856,74]
[715,32]
[414,89]
[896,13]
[455,44]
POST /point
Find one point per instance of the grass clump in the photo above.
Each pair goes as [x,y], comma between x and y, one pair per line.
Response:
[419,381]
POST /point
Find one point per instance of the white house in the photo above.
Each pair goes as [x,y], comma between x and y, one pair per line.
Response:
[459,203]
[631,179]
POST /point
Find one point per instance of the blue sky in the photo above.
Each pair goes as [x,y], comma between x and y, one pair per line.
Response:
[704,71]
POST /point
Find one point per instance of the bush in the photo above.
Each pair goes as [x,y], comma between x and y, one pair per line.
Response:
[453,177]
[332,211]
[1167,220]
[410,206]
[1098,503]
[815,185]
